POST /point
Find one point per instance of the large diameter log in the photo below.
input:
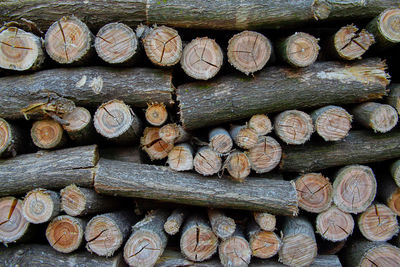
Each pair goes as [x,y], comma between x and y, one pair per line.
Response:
[263,244]
[52,170]
[334,225]
[85,86]
[385,28]
[155,182]
[317,156]
[227,98]
[235,251]
[41,205]
[13,225]
[379,117]
[222,225]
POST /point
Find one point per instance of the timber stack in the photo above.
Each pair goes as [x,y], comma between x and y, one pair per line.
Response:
[129,135]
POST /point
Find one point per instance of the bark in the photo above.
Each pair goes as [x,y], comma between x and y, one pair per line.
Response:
[222,225]
[80,127]
[393,98]
[207,161]
[334,225]
[126,153]
[156,114]
[52,170]
[389,193]
[384,28]
[316,156]
[263,244]
[48,134]
[180,158]
[235,251]
[266,221]
[379,117]
[51,90]
[320,261]
[13,139]
[227,98]
[41,205]
[220,140]
[13,225]
[154,182]
[175,258]
[265,155]
[294,127]
[261,124]
[175,220]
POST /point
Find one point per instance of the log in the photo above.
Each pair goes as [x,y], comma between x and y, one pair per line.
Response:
[293,91]
[222,225]
[393,98]
[172,257]
[249,51]
[173,133]
[80,127]
[294,127]
[20,50]
[243,136]
[13,225]
[395,172]
[53,170]
[378,223]
[379,117]
[69,40]
[148,240]
[106,233]
[48,134]
[354,188]
[79,201]
[389,193]
[116,43]
[154,182]
[317,156]
[156,114]
[235,251]
[180,158]
[238,166]
[314,192]
[86,86]
[65,233]
[265,220]
[175,221]
[265,155]
[163,46]
[385,28]
[13,139]
[334,225]
[153,145]
[261,124]
[41,205]
[126,153]
[299,247]
[202,58]
[220,140]
[332,123]
[207,162]
[263,244]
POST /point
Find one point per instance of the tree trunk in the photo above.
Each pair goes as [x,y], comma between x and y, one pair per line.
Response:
[266,221]
[156,114]
[316,156]
[148,181]
[220,140]
[48,134]
[173,133]
[13,139]
[238,166]
[207,161]
[243,136]
[261,124]
[52,170]
[180,158]
[263,244]
[172,258]
[379,117]
[320,84]
[384,28]
[41,205]
[235,251]
[175,221]
[389,193]
[222,225]
[334,225]
[80,127]
[126,153]
[153,145]
[265,155]
[294,127]
[86,86]
[13,225]
[393,98]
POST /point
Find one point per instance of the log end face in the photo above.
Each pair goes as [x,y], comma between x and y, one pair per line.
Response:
[153,145]
[384,118]
[261,124]
[169,133]
[207,162]
[298,250]
[238,166]
[265,220]
[38,206]
[78,119]
[265,155]
[246,138]
[382,255]
[302,49]
[64,233]
[235,251]
[171,227]
[333,124]
[143,248]
[394,202]
[180,158]
[5,135]
[389,24]
[294,127]
[47,134]
[335,225]
[198,243]
[73,201]
[351,43]
[13,224]
[265,244]
[156,114]
[221,143]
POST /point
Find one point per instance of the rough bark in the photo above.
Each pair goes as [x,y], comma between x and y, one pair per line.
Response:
[244,136]
[227,98]
[266,221]
[220,140]
[294,127]
[48,134]
[334,225]
[222,225]
[180,158]
[154,182]
[175,221]
[156,114]
[126,153]
[13,225]
[379,117]
[13,139]
[172,257]
[238,166]
[389,193]
[385,28]
[235,251]
[41,205]
[261,124]
[153,145]
[207,161]
[52,170]
[80,127]
[263,244]
[393,98]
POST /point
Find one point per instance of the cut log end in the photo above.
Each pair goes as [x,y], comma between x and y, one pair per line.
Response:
[264,244]
[5,135]
[156,114]
[265,155]
[154,146]
[294,127]
[174,221]
[332,123]
[47,134]
[388,24]
[265,220]
[163,46]
[314,192]
[243,136]
[202,58]
[207,162]
[301,49]
[261,124]
[235,251]
[169,133]
[249,51]
[73,201]
[378,223]
[238,166]
[220,140]
[395,171]
[298,250]
[13,224]
[394,202]
[334,225]
[350,43]
[222,225]
[143,248]
[180,158]
[383,255]
[77,120]
[116,43]
[384,119]
[39,204]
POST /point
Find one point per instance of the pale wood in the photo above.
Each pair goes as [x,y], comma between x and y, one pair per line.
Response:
[222,225]
[263,244]
[180,158]
[173,133]
[153,145]
[395,172]
[220,140]
[334,225]
[393,98]
[265,220]
[389,193]
[156,114]
[294,127]
[379,117]
[48,134]
[265,155]
[243,136]
[235,251]
[207,161]
[80,127]
[13,225]
[41,205]
[385,28]
[238,166]
[175,221]
[13,139]
[261,124]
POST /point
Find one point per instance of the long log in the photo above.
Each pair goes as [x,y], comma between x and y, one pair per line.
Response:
[280,88]
[52,170]
[89,86]
[317,156]
[156,182]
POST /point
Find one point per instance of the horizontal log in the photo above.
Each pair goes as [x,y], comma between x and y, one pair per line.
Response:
[155,182]
[276,88]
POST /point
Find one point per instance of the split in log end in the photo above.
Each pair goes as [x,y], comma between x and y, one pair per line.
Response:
[13,224]
[156,114]
[334,225]
[264,244]
[180,158]
[207,162]
[153,145]
[235,251]
[351,43]
[40,205]
[294,127]
[265,155]
[238,166]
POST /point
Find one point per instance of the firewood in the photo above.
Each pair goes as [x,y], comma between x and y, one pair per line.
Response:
[13,139]
[80,127]
[153,145]
[243,136]
[334,225]
[207,161]
[294,127]
[261,124]
[389,193]
[48,134]
[175,221]
[265,155]
[220,140]
[13,225]
[238,166]
[173,133]
[180,158]
[380,117]
[263,244]
[156,114]
[385,28]
[265,220]
[393,98]
[126,153]
[235,251]
[172,257]
[41,205]
[395,172]
[222,225]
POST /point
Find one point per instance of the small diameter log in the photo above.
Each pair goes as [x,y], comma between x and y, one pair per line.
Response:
[41,205]
[263,244]
[299,247]
[20,50]
[379,117]
[385,28]
[220,140]
[249,51]
[371,254]
[198,242]
[222,225]
[116,121]
[13,225]
[378,223]
[52,170]
[294,127]
[174,221]
[80,126]
[79,201]
[389,193]
[69,40]
[12,139]
[65,233]
[299,50]
[265,155]
[314,192]
[48,134]
[153,145]
[106,233]
[334,225]
[202,58]
[332,123]
[173,133]
[180,158]
[265,220]
[116,43]
[354,188]
[148,240]
[156,114]
[395,172]
[163,46]
[243,136]
[393,98]
[238,166]
[235,251]
[207,161]
[261,124]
